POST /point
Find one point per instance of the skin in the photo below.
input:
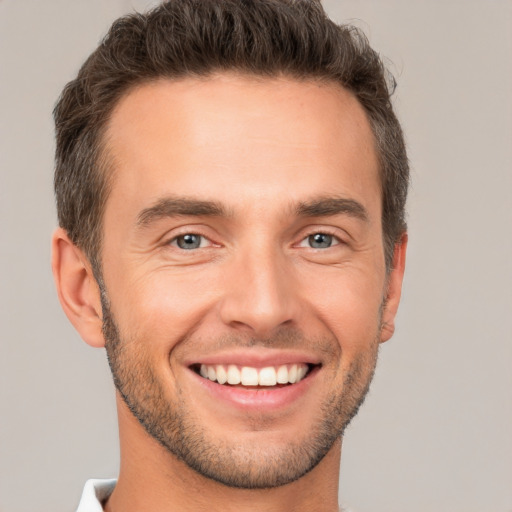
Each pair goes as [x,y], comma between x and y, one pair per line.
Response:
[258,148]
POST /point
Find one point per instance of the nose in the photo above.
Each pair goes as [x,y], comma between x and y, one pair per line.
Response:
[260,293]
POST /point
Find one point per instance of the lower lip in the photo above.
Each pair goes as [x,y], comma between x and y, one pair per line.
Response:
[264,399]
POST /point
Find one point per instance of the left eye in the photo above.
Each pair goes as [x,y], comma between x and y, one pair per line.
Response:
[189,241]
[320,241]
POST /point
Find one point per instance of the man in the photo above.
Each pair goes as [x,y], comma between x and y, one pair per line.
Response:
[230,182]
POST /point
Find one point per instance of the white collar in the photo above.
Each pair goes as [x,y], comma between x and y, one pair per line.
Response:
[94,493]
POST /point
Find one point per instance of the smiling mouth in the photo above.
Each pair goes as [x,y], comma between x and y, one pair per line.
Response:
[251,377]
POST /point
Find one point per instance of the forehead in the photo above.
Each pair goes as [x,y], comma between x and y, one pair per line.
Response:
[240,139]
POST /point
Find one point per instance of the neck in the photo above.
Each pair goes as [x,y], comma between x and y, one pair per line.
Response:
[151,478]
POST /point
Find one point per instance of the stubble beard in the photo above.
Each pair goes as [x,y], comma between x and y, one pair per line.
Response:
[244,467]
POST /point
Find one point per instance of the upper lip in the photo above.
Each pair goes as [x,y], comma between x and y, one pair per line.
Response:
[256,358]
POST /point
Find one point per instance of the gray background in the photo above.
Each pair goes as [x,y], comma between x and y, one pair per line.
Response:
[436,431]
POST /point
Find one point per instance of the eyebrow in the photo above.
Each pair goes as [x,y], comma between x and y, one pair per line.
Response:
[177,207]
[324,207]
[181,207]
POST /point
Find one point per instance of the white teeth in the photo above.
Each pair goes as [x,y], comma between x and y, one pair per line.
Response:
[222,376]
[292,374]
[249,376]
[233,375]
[282,375]
[301,372]
[267,376]
[212,375]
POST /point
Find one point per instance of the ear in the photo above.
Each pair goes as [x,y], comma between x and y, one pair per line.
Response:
[77,288]
[394,289]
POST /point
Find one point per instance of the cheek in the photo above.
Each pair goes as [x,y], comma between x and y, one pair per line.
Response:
[161,306]
[350,307]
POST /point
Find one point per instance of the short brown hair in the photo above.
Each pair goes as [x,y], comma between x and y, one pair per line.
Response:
[182,38]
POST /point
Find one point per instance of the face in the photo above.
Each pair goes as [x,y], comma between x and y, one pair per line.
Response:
[243,268]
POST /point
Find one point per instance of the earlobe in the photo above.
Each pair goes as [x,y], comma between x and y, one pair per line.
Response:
[77,288]
[394,289]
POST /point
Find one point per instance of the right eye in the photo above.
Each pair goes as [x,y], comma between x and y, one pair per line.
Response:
[190,241]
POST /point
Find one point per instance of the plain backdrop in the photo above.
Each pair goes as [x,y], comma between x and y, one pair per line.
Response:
[435,434]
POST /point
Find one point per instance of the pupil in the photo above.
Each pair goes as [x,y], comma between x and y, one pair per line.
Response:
[189,242]
[320,241]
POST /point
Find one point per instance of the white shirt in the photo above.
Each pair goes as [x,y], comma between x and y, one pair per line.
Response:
[95,492]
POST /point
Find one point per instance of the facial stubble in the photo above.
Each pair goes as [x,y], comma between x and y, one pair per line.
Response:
[240,466]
